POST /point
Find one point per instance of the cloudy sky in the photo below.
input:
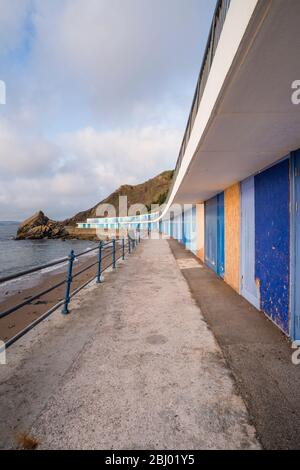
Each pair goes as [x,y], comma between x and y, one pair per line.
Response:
[98,95]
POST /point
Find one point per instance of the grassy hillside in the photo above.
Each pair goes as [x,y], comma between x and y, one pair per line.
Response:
[153,191]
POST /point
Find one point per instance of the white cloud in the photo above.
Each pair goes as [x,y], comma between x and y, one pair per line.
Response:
[24,155]
[120,57]
[119,151]
[81,169]
[98,96]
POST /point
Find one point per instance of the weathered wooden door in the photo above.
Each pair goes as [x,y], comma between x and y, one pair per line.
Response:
[183,238]
[272,242]
[214,234]
[211,210]
[295,246]
[220,236]
[248,285]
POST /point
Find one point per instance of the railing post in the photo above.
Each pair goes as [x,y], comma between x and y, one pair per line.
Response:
[123,248]
[139,237]
[114,253]
[98,281]
[65,309]
[129,244]
[133,244]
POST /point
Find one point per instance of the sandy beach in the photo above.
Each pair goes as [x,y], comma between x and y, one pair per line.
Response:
[16,321]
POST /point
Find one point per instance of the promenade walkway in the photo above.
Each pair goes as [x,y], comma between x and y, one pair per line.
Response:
[133,366]
[258,354]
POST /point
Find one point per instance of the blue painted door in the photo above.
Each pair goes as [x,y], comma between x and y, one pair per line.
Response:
[272,242]
[221,236]
[214,234]
[211,210]
[248,285]
[183,239]
[295,246]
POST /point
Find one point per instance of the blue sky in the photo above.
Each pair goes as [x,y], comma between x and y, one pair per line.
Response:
[98,95]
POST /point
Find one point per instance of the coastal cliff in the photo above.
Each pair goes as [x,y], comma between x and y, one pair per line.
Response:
[38,226]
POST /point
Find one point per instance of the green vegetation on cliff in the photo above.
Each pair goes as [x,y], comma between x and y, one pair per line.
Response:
[153,191]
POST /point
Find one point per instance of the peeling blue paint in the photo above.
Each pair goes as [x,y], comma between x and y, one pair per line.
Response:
[295,246]
[272,235]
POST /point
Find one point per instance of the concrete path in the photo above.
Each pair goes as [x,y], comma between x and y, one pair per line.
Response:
[259,355]
[134,366]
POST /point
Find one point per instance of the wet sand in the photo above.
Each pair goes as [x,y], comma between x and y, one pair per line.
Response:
[15,322]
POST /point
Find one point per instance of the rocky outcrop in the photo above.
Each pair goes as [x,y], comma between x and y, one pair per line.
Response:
[40,226]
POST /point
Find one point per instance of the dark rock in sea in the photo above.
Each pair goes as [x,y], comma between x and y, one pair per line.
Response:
[39,226]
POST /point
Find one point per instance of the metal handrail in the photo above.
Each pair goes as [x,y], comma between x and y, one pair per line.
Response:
[36,269]
[116,245]
[12,277]
[216,29]
[91,249]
